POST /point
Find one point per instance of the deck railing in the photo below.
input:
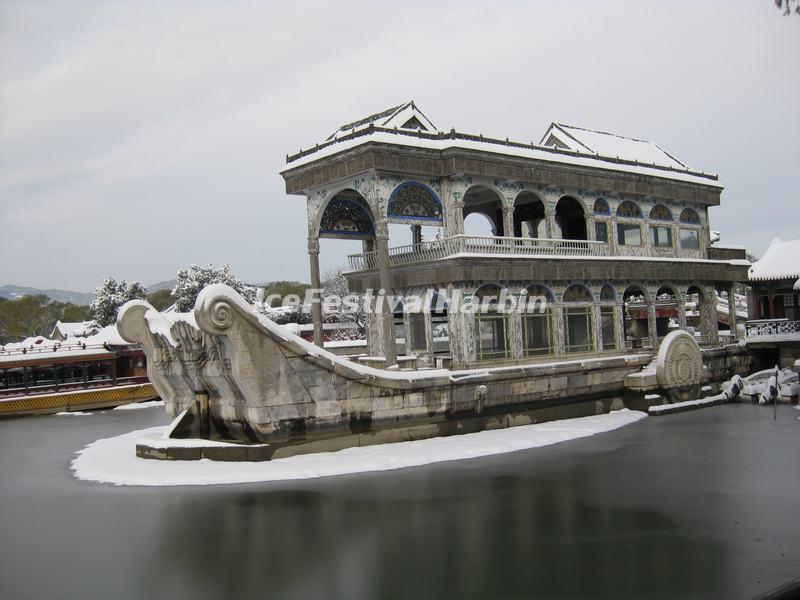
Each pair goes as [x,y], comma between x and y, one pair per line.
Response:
[760,327]
[479,245]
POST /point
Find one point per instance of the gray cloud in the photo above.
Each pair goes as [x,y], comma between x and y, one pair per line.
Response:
[136,139]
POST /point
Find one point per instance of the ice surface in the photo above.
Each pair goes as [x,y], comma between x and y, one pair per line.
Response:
[113,460]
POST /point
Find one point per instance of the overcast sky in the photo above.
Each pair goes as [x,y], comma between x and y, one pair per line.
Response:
[140,137]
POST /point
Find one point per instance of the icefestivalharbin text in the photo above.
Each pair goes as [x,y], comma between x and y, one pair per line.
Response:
[114,460]
[506,301]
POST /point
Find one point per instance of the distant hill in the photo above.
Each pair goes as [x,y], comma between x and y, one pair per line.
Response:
[161,285]
[15,291]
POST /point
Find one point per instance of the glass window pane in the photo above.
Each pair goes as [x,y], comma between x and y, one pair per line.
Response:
[491,332]
[601,231]
[661,237]
[578,329]
[536,331]
[629,234]
[690,240]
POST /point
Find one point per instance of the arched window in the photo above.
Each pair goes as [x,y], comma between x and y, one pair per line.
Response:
[399,323]
[660,213]
[690,217]
[537,322]
[414,202]
[629,234]
[492,327]
[577,293]
[607,293]
[347,215]
[660,235]
[601,207]
[629,210]
[689,236]
[578,319]
[601,210]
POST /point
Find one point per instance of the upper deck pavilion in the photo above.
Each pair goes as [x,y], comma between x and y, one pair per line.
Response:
[405,129]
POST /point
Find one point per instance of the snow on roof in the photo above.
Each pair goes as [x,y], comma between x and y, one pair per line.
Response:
[608,144]
[404,116]
[406,125]
[32,347]
[780,261]
[79,329]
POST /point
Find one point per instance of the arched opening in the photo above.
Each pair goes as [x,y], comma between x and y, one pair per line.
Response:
[570,219]
[529,216]
[348,219]
[667,310]
[578,319]
[416,205]
[479,224]
[492,326]
[608,332]
[538,335]
[634,317]
[485,201]
[440,327]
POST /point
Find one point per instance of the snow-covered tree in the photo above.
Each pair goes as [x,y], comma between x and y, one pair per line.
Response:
[110,296]
[339,306]
[190,282]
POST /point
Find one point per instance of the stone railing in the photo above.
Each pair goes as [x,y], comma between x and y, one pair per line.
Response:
[480,246]
[761,327]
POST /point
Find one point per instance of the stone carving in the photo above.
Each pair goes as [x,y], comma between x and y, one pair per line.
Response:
[679,364]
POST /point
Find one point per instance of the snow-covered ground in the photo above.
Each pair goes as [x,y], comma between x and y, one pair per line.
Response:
[114,460]
[138,405]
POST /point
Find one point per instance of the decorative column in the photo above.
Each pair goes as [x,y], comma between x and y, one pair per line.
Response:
[515,319]
[508,221]
[619,326]
[416,234]
[680,303]
[709,327]
[732,310]
[316,307]
[558,327]
[385,312]
[651,322]
[598,327]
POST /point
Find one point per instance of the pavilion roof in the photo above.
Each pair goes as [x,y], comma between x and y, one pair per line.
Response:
[602,143]
[406,125]
[780,261]
[403,116]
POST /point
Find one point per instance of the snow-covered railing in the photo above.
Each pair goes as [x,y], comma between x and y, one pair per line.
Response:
[479,245]
[759,327]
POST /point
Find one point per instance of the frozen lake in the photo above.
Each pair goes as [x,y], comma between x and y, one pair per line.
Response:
[698,504]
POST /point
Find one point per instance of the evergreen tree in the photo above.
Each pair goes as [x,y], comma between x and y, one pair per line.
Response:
[190,282]
[110,296]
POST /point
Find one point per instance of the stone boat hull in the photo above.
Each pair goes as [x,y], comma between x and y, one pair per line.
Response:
[245,378]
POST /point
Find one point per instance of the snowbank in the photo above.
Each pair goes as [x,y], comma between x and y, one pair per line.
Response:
[114,460]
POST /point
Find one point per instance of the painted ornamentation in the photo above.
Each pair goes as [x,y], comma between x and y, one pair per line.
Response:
[413,200]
